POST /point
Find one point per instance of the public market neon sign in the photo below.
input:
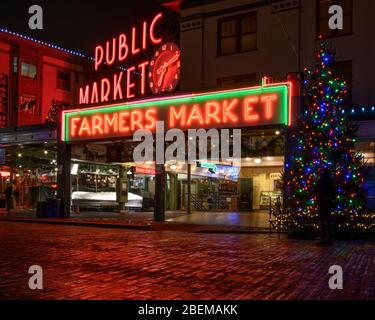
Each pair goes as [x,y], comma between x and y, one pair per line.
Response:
[161,72]
[256,106]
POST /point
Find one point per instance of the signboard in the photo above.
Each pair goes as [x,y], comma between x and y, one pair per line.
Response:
[256,106]
[141,170]
[210,166]
[3,99]
[28,104]
[5,174]
[160,72]
[275,176]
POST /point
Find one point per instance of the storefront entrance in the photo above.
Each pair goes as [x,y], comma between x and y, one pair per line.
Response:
[97,173]
[99,140]
[32,172]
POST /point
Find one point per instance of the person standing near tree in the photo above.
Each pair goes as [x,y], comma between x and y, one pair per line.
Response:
[325,195]
[9,197]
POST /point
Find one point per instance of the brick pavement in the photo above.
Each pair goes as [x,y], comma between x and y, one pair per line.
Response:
[93,263]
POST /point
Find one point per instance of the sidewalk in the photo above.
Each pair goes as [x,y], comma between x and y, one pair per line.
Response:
[202,222]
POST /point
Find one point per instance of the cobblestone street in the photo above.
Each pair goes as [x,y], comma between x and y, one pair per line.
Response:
[97,263]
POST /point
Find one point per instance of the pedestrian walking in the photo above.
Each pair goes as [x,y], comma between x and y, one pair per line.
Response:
[9,197]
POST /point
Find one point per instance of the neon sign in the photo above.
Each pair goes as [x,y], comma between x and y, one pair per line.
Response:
[210,166]
[257,106]
[120,48]
[141,170]
[126,84]
[4,172]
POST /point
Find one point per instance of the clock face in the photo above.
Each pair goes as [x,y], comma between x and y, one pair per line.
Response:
[164,70]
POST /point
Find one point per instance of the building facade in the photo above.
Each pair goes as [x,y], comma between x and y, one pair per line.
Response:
[37,80]
[233,43]
[230,48]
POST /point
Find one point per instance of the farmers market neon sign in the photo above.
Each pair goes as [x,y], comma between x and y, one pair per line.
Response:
[255,106]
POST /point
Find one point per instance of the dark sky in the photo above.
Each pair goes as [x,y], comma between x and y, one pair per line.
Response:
[80,24]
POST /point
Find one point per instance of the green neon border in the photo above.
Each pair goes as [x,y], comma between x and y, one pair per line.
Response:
[282,89]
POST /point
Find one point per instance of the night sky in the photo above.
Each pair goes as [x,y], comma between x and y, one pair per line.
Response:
[80,24]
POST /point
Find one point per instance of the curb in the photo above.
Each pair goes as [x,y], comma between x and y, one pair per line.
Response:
[190,228]
[242,231]
[80,224]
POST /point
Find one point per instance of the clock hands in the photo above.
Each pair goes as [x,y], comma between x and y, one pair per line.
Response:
[163,69]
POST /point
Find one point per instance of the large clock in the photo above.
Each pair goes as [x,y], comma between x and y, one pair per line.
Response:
[164,70]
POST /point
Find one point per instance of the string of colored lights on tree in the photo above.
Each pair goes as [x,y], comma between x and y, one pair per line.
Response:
[324,139]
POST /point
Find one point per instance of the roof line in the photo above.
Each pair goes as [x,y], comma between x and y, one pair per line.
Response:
[72,52]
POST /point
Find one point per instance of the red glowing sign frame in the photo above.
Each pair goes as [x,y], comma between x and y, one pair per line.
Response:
[265,105]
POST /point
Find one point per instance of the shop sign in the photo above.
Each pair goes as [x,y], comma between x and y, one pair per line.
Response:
[160,72]
[256,106]
[141,170]
[275,176]
[210,166]
[3,99]
[4,172]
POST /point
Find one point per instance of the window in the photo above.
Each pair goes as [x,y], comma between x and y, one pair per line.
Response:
[63,80]
[249,79]
[237,34]
[344,72]
[228,41]
[15,64]
[28,70]
[323,17]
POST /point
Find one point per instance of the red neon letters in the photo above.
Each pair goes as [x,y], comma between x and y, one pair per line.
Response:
[230,112]
[224,112]
[121,85]
[118,49]
[132,80]
[118,123]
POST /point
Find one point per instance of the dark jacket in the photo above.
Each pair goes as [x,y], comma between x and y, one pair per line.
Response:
[325,188]
[325,191]
[8,192]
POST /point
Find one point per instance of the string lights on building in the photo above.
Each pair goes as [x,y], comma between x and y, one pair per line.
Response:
[53,46]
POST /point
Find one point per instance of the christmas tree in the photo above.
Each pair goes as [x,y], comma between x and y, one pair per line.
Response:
[52,116]
[323,139]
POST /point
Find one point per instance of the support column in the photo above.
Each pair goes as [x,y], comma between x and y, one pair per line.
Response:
[160,179]
[159,209]
[64,190]
[188,207]
[122,189]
